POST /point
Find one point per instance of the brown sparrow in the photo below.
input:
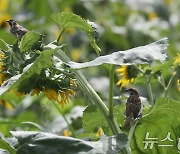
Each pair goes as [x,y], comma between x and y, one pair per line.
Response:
[17,30]
[133,107]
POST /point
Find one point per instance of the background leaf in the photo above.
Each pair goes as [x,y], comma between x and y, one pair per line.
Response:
[140,55]
[28,40]
[164,118]
[67,20]
[93,119]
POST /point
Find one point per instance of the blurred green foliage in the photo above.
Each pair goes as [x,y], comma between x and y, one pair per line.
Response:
[122,24]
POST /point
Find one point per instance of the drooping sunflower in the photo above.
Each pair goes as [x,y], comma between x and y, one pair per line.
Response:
[3,18]
[128,74]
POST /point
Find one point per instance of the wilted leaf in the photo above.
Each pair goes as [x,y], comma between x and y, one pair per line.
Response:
[163,119]
[38,142]
[28,40]
[67,20]
[140,55]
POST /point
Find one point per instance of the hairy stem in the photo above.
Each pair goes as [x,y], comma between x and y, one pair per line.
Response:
[86,87]
[111,91]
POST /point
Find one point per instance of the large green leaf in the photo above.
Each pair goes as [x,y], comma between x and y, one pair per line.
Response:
[163,119]
[43,61]
[28,40]
[93,119]
[39,142]
[140,55]
[67,20]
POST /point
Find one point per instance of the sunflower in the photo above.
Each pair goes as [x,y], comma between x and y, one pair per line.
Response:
[128,73]
[178,84]
[3,5]
[3,18]
[99,132]
[67,133]
[1,68]
[54,95]
[177,59]
[152,15]
[5,104]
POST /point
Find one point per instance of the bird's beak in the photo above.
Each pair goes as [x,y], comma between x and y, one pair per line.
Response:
[7,21]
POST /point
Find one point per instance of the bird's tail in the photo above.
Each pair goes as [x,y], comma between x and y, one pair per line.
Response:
[128,122]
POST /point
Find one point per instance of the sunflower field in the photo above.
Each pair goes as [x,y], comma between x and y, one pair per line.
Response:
[95,77]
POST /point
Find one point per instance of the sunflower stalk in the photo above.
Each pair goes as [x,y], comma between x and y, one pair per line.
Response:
[86,87]
[90,92]
[148,85]
[168,86]
[111,91]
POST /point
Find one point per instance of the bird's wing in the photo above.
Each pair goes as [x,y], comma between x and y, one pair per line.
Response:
[133,105]
[21,30]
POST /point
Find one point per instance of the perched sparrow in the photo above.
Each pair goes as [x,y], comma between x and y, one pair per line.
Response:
[17,30]
[133,107]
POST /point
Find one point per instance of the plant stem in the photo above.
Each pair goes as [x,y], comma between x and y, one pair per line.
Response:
[60,36]
[168,86]
[65,119]
[86,87]
[148,84]
[111,91]
[131,132]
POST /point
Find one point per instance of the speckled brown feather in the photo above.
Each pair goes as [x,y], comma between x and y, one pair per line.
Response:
[133,107]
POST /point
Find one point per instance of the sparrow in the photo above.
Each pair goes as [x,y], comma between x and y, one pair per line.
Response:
[17,30]
[133,107]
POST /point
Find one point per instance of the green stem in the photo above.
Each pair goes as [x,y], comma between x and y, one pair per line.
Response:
[111,91]
[131,132]
[65,119]
[148,84]
[168,86]
[60,36]
[86,87]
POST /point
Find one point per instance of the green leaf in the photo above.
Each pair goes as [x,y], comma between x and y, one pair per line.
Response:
[16,82]
[5,144]
[163,119]
[67,20]
[28,40]
[39,142]
[93,119]
[140,55]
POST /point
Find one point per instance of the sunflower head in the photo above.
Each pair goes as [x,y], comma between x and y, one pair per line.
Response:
[128,74]
[177,59]
[178,84]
